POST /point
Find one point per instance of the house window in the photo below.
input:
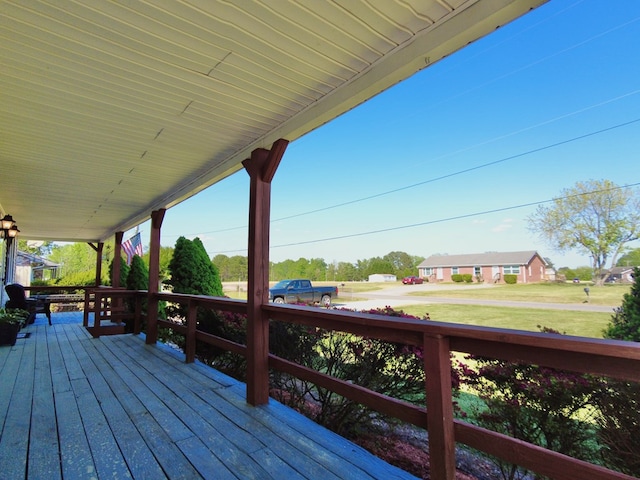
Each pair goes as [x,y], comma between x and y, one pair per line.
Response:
[515,269]
[477,271]
[427,271]
[454,270]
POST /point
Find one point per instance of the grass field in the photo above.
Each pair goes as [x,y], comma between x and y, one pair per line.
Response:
[584,324]
[537,292]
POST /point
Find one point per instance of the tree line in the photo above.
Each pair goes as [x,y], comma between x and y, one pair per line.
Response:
[396,263]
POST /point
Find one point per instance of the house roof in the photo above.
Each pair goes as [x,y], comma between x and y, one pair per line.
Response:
[35,261]
[110,110]
[481,259]
[620,270]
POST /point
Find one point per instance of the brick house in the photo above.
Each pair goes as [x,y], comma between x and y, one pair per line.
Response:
[620,275]
[528,265]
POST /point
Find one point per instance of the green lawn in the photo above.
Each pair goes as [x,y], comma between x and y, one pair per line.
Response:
[585,324]
[537,292]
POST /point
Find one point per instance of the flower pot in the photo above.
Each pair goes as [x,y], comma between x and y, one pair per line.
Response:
[9,333]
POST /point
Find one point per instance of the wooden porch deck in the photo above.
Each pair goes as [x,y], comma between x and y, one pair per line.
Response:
[75,407]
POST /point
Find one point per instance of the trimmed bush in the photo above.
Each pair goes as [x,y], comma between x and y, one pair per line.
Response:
[467,278]
[510,279]
[124,272]
[456,277]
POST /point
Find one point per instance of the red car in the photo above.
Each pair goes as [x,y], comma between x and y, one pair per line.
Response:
[412,280]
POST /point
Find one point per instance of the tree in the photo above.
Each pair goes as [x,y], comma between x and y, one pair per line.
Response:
[124,272]
[625,322]
[166,253]
[618,420]
[378,265]
[137,279]
[35,247]
[138,276]
[192,271]
[347,272]
[596,217]
[629,259]
[403,263]
[78,263]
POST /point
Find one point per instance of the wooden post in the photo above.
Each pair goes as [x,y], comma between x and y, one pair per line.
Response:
[192,319]
[157,216]
[97,313]
[261,168]
[439,408]
[98,249]
[117,252]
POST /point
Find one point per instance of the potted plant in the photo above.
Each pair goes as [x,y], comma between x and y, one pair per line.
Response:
[11,321]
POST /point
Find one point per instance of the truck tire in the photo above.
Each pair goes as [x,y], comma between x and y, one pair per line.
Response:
[326,300]
[278,300]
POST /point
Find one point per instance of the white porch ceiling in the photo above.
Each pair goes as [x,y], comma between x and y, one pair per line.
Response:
[110,110]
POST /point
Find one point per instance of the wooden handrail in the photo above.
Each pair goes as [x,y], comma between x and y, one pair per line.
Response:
[616,359]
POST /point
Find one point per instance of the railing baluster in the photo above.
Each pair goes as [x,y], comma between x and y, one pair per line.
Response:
[192,320]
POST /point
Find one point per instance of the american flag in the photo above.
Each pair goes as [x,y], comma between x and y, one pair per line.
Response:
[132,247]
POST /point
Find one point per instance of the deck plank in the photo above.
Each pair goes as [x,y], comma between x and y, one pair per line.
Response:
[15,432]
[107,456]
[44,459]
[76,459]
[109,391]
[143,409]
[196,414]
[75,407]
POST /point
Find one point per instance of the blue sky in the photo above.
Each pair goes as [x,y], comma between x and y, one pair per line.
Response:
[548,100]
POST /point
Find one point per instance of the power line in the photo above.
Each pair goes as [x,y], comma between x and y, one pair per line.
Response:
[476,87]
[449,175]
[442,220]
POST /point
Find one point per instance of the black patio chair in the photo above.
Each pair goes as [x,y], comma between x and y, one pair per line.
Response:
[18,299]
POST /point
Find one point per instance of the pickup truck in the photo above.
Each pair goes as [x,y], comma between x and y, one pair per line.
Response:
[301,291]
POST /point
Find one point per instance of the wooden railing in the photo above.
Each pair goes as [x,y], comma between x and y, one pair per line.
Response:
[609,358]
[54,289]
[108,304]
[45,295]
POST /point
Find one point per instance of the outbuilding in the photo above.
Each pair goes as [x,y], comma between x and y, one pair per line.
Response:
[382,277]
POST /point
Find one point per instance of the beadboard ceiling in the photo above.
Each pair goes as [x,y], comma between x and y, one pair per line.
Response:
[110,110]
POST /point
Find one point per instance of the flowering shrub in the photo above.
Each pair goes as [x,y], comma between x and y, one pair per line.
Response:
[535,404]
[389,368]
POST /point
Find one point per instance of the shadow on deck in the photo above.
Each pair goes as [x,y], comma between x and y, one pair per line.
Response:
[76,407]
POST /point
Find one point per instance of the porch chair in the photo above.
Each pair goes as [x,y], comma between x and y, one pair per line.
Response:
[18,299]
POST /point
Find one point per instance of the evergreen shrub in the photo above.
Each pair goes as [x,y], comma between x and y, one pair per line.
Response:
[619,402]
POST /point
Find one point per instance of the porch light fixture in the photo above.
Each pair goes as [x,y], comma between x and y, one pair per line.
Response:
[9,232]
[9,227]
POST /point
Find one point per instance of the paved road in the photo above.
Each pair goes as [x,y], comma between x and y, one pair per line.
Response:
[395,297]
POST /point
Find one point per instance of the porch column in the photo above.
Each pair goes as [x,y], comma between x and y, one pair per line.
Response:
[98,249]
[8,265]
[117,255]
[157,216]
[261,168]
